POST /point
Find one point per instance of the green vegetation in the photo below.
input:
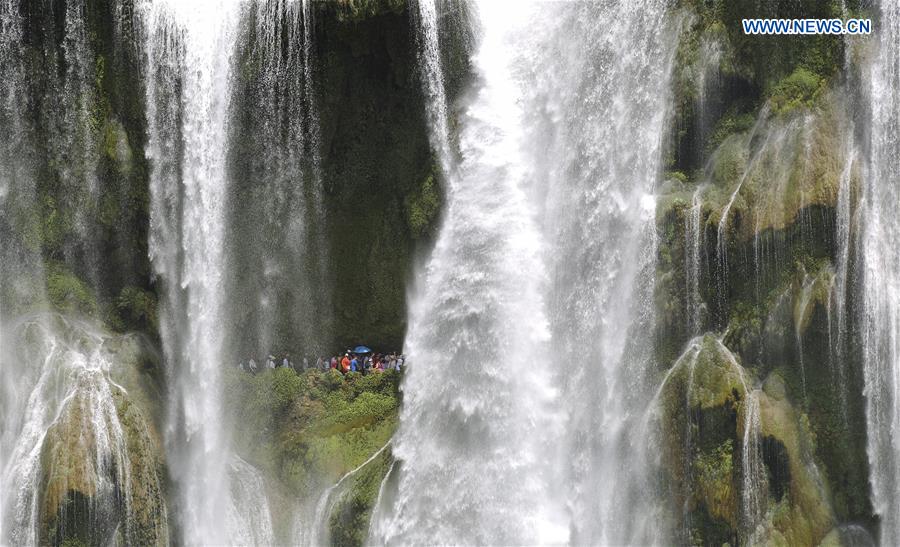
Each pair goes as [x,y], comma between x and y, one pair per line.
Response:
[800,89]
[67,293]
[306,431]
[138,307]
[715,476]
[349,521]
[422,207]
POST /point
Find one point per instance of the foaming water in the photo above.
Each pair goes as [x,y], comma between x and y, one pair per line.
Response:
[526,368]
[477,418]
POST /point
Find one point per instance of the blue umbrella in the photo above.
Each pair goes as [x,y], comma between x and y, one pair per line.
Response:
[361,349]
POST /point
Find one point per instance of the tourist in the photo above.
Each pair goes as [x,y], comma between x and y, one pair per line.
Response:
[345,364]
[305,364]
[354,364]
[252,366]
[270,363]
[334,363]
[286,363]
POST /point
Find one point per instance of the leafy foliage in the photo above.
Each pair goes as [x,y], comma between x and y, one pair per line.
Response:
[799,89]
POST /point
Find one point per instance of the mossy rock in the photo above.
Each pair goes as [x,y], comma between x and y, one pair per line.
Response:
[702,411]
[805,515]
[707,374]
[766,176]
[811,290]
[118,501]
[697,409]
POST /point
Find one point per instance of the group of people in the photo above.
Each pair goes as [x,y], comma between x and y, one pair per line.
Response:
[349,362]
[376,362]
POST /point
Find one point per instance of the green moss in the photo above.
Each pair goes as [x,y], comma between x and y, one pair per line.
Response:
[678,176]
[306,431]
[422,206]
[731,123]
[67,293]
[806,517]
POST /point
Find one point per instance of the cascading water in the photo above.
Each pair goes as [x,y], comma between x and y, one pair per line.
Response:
[497,346]
[189,60]
[881,278]
[236,210]
[479,316]
[608,102]
[276,223]
[838,334]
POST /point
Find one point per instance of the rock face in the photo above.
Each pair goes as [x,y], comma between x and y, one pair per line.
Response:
[100,467]
[758,229]
[740,461]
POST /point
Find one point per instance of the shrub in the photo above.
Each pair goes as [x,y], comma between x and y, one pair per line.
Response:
[798,89]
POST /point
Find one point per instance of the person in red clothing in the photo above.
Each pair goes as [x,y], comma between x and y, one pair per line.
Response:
[345,364]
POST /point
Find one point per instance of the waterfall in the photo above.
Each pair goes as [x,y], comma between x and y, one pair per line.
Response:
[527,359]
[237,236]
[429,54]
[881,277]
[276,246]
[249,514]
[189,59]
[689,359]
[800,311]
[608,100]
[475,392]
